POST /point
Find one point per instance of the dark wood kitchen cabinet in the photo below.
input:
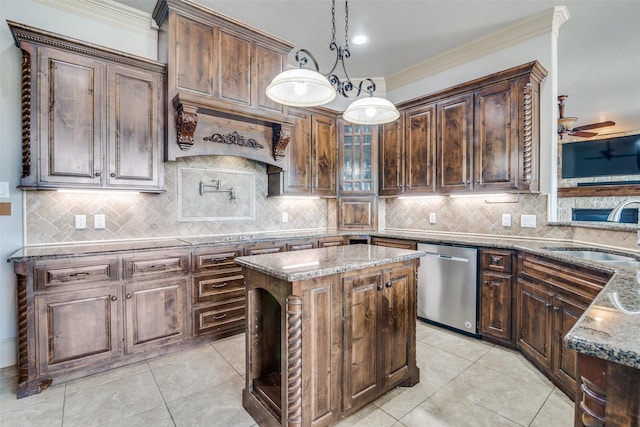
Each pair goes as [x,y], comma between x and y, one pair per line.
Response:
[311,157]
[218,292]
[92,118]
[407,153]
[496,295]
[551,296]
[377,333]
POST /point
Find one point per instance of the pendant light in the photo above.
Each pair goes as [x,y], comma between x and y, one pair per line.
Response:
[303,87]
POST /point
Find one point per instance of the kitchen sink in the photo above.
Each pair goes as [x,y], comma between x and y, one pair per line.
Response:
[596,255]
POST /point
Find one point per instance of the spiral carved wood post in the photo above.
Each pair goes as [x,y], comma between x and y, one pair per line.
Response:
[294,361]
[26,114]
[528,135]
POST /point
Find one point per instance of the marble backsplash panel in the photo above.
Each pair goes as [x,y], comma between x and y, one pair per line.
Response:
[49,215]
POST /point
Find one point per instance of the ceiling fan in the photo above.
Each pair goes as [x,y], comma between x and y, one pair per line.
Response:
[565,123]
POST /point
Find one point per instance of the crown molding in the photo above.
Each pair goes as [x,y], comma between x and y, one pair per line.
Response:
[548,21]
[108,12]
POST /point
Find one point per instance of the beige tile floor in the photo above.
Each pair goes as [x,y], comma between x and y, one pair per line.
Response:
[464,382]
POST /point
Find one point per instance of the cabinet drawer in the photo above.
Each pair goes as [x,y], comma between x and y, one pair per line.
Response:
[210,260]
[579,281]
[156,266]
[49,276]
[220,318]
[265,249]
[227,284]
[497,260]
[301,245]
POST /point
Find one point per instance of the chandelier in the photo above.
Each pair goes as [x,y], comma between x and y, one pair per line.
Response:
[304,87]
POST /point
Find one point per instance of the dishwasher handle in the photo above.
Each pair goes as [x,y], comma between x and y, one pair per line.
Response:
[447,257]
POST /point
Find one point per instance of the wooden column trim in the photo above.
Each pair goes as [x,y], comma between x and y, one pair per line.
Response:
[294,361]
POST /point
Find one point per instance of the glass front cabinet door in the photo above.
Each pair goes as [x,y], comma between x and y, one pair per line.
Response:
[358,147]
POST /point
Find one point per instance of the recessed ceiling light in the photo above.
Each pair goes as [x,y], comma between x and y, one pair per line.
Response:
[359,39]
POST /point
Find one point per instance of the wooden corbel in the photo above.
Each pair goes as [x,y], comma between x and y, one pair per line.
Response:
[281,138]
[186,123]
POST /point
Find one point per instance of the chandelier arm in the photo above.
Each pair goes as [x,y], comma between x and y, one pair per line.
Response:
[303,60]
[346,25]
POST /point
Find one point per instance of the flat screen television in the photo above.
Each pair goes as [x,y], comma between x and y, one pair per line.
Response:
[603,157]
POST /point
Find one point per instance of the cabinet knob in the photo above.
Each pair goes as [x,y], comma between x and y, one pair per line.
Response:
[128,296]
[114,298]
[380,286]
[468,181]
[97,174]
[486,282]
[556,308]
[389,284]
[548,304]
[113,175]
[477,180]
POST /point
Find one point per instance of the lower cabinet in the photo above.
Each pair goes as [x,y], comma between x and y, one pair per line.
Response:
[496,295]
[551,297]
[394,243]
[378,331]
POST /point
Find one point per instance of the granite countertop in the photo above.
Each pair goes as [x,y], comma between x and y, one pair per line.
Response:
[310,263]
[609,329]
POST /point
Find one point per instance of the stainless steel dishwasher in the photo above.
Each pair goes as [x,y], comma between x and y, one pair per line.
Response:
[448,286]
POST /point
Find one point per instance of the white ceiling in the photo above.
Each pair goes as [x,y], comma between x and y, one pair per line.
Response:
[598,47]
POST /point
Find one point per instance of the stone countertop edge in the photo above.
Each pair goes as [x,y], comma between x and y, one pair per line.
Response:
[310,263]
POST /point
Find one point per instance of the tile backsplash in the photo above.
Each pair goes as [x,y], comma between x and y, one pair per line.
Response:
[50,214]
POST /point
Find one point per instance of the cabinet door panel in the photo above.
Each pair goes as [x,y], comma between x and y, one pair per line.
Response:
[323,156]
[194,53]
[396,330]
[268,65]
[298,175]
[235,69]
[420,147]
[77,328]
[357,213]
[361,360]
[567,313]
[455,133]
[134,152]
[495,311]
[496,139]
[535,321]
[70,103]
[391,158]
[154,313]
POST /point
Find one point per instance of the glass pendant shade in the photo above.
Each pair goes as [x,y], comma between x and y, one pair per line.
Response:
[301,87]
[371,111]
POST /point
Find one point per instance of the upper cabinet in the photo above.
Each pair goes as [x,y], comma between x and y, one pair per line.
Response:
[91,116]
[218,70]
[358,158]
[478,136]
[310,160]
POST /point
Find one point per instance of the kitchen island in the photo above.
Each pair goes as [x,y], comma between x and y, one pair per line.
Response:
[328,331]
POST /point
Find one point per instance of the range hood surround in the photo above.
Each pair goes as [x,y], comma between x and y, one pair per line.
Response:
[217,71]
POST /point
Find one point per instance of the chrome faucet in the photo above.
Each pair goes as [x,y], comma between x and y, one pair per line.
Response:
[615,214]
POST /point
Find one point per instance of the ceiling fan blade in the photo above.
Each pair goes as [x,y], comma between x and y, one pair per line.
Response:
[594,126]
[583,134]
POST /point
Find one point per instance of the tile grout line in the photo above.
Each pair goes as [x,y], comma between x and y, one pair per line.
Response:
[161,394]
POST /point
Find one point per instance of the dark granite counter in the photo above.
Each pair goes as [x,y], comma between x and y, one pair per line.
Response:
[310,263]
[609,329]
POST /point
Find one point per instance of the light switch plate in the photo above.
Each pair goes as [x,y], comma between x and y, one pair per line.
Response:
[506,220]
[432,217]
[81,222]
[285,217]
[99,221]
[528,221]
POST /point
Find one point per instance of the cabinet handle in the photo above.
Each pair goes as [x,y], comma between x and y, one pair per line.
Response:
[222,316]
[486,282]
[156,266]
[219,286]
[496,260]
[380,286]
[79,274]
[128,296]
[113,175]
[556,308]
[477,180]
[548,304]
[389,284]
[219,259]
[97,174]
[114,298]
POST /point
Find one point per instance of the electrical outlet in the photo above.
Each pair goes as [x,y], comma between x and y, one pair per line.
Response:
[81,222]
[432,217]
[285,217]
[638,241]
[99,221]
[506,220]
[528,221]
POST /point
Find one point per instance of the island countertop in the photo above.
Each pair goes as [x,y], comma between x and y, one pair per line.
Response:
[309,263]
